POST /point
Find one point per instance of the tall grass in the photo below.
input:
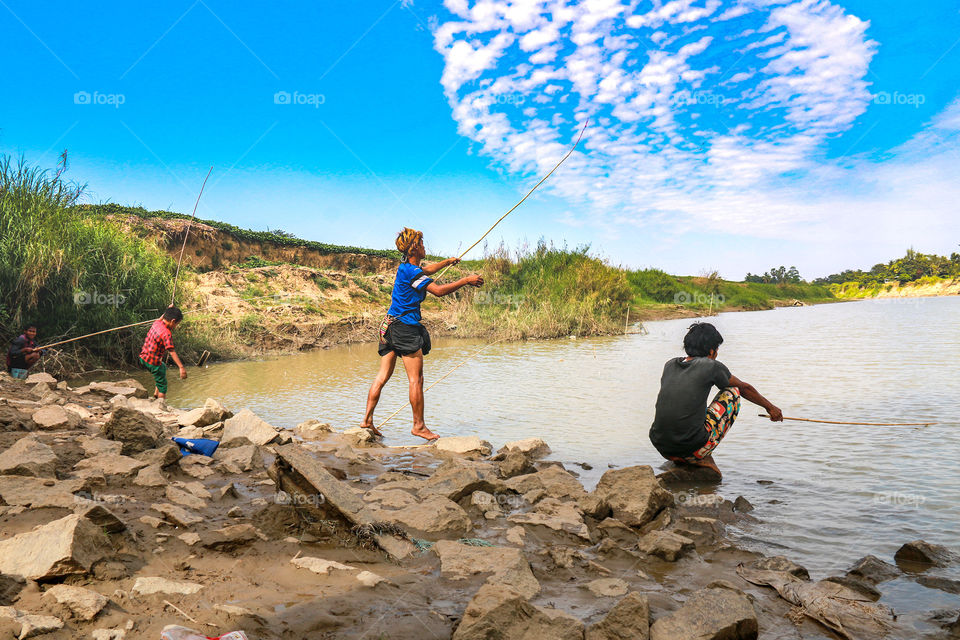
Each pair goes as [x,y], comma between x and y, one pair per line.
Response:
[545,292]
[72,273]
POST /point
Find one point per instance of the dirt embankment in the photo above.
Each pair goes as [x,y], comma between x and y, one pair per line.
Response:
[208,248]
[921,290]
[106,531]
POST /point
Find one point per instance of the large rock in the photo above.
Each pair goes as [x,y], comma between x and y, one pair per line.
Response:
[239,459]
[39,492]
[553,481]
[556,515]
[53,416]
[40,376]
[873,570]
[301,476]
[434,517]
[456,479]
[463,445]
[665,544]
[247,424]
[83,604]
[60,548]
[921,553]
[505,565]
[177,495]
[137,431]
[515,463]
[628,620]
[312,429]
[634,494]
[30,624]
[29,457]
[94,445]
[210,413]
[532,447]
[709,614]
[12,419]
[109,464]
[497,611]
[150,476]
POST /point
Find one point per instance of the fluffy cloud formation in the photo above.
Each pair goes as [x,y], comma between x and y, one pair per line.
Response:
[704,113]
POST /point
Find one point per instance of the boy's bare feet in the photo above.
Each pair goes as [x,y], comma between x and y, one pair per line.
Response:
[709,464]
[424,433]
[369,427]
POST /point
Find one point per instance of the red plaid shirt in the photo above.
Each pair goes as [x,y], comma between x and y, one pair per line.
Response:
[159,341]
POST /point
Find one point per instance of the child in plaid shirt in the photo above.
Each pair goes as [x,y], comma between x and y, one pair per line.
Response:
[158,343]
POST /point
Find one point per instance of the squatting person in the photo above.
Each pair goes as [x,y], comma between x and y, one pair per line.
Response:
[401,333]
[686,430]
[158,343]
[23,352]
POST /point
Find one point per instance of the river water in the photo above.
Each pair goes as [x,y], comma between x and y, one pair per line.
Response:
[830,494]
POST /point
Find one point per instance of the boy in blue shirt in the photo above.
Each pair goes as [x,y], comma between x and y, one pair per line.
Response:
[401,333]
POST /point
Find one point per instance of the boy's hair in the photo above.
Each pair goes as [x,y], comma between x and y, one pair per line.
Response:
[407,239]
[173,313]
[701,339]
[29,325]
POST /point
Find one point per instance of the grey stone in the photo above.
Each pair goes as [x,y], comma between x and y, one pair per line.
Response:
[664,544]
[873,570]
[607,587]
[497,611]
[30,624]
[923,553]
[109,464]
[463,445]
[137,431]
[60,548]
[709,614]
[628,620]
[84,604]
[53,416]
[634,494]
[531,447]
[312,430]
[556,515]
[781,563]
[247,424]
[29,457]
[505,565]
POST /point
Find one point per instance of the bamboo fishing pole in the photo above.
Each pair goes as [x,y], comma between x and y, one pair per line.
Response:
[464,361]
[542,180]
[193,217]
[867,424]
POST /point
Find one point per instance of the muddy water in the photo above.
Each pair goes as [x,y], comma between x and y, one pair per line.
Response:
[825,495]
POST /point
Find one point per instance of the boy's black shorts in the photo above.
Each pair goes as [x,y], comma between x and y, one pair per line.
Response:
[405,339]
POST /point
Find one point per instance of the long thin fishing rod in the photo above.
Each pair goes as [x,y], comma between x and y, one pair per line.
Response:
[137,324]
[867,424]
[468,358]
[193,217]
[542,180]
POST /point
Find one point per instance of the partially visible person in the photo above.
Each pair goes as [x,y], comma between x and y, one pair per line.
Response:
[158,343]
[686,430]
[23,352]
[401,333]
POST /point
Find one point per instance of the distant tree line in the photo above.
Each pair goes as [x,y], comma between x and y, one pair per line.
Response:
[777,275]
[913,266]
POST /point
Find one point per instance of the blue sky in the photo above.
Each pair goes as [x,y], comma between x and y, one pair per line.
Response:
[724,135]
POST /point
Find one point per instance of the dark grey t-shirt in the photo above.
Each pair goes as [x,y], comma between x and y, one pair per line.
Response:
[677,428]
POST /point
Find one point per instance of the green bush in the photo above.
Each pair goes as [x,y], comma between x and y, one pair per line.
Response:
[70,272]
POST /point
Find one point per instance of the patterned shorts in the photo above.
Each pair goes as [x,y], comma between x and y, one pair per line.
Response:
[720,416]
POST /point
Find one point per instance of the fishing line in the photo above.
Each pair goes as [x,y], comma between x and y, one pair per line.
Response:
[464,361]
[542,180]
[866,424]
[186,235]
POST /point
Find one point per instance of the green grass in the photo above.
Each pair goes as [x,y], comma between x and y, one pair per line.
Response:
[53,258]
[546,292]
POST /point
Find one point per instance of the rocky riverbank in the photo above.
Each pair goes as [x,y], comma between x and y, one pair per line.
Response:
[107,531]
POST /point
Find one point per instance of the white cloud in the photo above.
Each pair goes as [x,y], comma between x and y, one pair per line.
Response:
[675,141]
